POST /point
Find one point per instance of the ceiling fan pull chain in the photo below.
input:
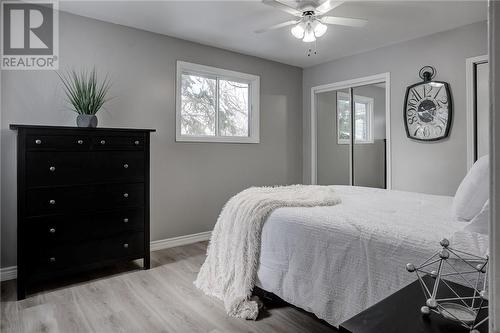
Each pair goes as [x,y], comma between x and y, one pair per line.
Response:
[313,50]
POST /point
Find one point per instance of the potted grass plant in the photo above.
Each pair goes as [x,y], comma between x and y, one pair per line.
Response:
[86,94]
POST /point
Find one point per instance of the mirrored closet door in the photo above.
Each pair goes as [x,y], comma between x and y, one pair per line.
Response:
[333,137]
[478,100]
[482,109]
[369,141]
[341,157]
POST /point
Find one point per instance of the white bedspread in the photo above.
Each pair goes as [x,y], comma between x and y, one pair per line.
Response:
[336,261]
[230,269]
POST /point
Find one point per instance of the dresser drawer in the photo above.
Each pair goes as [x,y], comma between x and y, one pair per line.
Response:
[88,198]
[50,260]
[114,142]
[119,166]
[57,142]
[58,168]
[65,168]
[51,231]
[122,246]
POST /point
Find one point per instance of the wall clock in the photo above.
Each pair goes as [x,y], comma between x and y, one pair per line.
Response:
[428,108]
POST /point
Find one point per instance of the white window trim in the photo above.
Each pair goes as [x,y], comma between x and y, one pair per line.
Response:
[360,99]
[254,110]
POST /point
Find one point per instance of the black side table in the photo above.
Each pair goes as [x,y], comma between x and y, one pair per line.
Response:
[400,313]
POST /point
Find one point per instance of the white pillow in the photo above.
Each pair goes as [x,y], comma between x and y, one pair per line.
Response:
[480,222]
[473,191]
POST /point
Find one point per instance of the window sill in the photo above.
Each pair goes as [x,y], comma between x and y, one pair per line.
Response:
[211,139]
[357,143]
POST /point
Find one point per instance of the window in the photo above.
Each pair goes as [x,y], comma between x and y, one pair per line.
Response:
[216,105]
[363,124]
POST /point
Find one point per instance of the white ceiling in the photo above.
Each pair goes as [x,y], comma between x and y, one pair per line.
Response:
[231,24]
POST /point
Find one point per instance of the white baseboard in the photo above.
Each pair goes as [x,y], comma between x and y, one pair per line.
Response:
[179,241]
[10,273]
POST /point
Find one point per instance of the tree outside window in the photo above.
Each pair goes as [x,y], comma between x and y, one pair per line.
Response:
[363,124]
[216,105]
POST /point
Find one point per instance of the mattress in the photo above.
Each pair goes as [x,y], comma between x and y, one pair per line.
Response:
[337,261]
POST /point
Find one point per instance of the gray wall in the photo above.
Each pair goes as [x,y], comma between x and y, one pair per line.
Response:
[190,181]
[421,167]
[333,159]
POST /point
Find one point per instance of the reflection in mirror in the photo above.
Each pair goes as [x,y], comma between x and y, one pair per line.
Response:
[482,110]
[333,137]
[369,167]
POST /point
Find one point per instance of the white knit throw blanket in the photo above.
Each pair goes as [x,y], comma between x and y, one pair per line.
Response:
[230,269]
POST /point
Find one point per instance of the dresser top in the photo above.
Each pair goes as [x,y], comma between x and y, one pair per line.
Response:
[48,127]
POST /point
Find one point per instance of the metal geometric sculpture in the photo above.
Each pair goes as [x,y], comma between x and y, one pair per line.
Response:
[463,309]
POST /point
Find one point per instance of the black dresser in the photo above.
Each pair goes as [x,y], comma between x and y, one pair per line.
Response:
[83,200]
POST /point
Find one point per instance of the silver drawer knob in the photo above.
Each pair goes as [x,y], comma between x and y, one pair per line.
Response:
[125,245]
[125,166]
[52,202]
[125,220]
[38,141]
[52,230]
[80,142]
[103,142]
[52,168]
[52,259]
[136,142]
[125,195]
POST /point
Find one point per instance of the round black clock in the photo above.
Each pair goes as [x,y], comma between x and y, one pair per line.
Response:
[428,108]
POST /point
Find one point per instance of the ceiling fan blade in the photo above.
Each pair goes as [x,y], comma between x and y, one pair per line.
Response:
[283,7]
[276,26]
[328,5]
[347,21]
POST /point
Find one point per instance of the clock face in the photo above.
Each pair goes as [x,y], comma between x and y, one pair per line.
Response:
[428,111]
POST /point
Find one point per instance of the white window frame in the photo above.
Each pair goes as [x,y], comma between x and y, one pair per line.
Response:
[369,105]
[253,98]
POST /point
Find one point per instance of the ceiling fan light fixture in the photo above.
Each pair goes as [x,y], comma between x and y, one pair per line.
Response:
[319,28]
[309,34]
[298,31]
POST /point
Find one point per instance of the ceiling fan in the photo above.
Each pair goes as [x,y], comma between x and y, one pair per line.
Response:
[310,22]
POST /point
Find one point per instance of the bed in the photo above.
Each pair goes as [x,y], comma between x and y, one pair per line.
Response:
[336,261]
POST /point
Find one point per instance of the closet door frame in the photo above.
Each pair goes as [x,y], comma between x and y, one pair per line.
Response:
[350,84]
[471,105]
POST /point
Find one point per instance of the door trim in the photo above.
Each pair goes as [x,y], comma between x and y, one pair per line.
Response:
[367,80]
[470,64]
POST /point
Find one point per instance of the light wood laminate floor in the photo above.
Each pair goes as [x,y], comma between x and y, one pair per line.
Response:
[129,299]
